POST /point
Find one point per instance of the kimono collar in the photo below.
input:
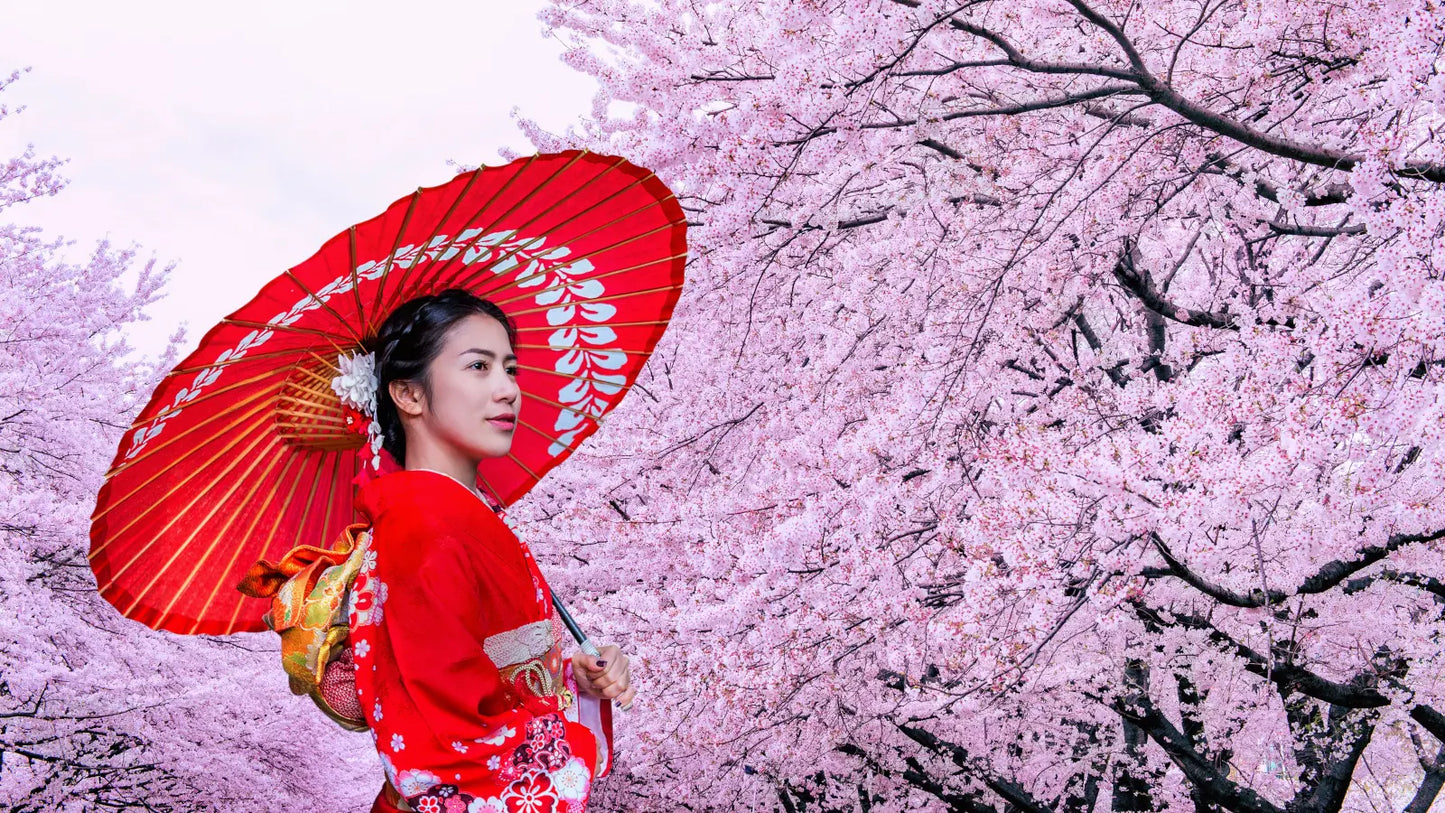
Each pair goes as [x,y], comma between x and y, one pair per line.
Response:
[417,494]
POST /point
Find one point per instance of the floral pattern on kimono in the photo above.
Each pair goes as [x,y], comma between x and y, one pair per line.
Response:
[446,591]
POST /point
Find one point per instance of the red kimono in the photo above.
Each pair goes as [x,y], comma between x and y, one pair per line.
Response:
[459,665]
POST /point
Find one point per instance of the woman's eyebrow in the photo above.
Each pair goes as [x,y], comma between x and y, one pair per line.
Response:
[489,354]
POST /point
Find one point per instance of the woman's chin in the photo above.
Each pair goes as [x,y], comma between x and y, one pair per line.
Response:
[495,447]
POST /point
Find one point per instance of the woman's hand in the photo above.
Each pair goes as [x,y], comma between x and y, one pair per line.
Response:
[606,677]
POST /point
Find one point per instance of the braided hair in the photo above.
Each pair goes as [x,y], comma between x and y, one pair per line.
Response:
[408,341]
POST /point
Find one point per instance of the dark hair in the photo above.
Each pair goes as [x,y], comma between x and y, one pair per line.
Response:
[409,339]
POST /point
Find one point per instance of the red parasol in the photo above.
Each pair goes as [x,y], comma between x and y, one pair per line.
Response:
[244,451]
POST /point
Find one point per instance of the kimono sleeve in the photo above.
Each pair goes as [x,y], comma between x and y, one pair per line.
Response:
[435,622]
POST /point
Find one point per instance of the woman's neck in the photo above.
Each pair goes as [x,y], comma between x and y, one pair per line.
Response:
[462,470]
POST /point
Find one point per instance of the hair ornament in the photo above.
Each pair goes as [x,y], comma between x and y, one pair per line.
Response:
[355,385]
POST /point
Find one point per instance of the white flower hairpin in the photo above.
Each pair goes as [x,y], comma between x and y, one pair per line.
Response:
[356,386]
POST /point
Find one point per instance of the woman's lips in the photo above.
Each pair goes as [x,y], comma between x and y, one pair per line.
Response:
[504,424]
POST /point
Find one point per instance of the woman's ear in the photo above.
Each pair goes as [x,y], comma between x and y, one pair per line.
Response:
[408,397]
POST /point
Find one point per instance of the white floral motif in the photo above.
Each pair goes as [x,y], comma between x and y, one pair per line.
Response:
[492,804]
[461,749]
[361,649]
[376,710]
[572,780]
[494,762]
[412,782]
[498,738]
[387,768]
[398,743]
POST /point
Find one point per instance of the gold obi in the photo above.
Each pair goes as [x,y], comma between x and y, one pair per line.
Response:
[530,658]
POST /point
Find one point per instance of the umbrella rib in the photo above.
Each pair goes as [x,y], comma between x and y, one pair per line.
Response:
[241,359]
[330,495]
[270,535]
[517,283]
[460,273]
[557,204]
[597,419]
[324,304]
[395,246]
[171,410]
[628,353]
[223,534]
[540,328]
[553,438]
[518,461]
[316,416]
[155,537]
[149,450]
[356,281]
[306,512]
[305,331]
[188,477]
[590,300]
[469,278]
[195,528]
[442,271]
[401,284]
[475,216]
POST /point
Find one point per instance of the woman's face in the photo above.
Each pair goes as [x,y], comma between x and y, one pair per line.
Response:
[474,400]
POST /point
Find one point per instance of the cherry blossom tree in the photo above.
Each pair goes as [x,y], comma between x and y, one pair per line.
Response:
[1053,417]
[98,712]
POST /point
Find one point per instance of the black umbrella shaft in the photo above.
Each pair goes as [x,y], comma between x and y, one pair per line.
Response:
[572,627]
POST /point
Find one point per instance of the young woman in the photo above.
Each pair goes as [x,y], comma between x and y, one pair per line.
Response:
[457,648]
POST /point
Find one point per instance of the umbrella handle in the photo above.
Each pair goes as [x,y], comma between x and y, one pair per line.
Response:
[582,640]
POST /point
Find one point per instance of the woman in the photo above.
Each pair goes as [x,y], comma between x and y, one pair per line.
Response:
[456,646]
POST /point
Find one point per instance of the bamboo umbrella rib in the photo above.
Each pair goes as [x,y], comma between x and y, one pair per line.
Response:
[517,283]
[538,431]
[552,328]
[557,347]
[228,362]
[577,191]
[570,376]
[320,417]
[356,281]
[114,503]
[471,221]
[194,472]
[594,418]
[224,532]
[330,495]
[465,279]
[518,461]
[306,512]
[323,303]
[256,520]
[172,411]
[445,273]
[196,527]
[391,256]
[176,514]
[442,221]
[326,396]
[608,298]
[304,331]
[594,206]
[469,278]
[488,486]
[260,400]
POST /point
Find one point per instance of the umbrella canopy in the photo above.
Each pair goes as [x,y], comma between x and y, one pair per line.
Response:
[244,450]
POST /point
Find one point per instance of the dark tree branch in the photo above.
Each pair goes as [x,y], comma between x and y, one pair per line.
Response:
[1011,792]
[1213,785]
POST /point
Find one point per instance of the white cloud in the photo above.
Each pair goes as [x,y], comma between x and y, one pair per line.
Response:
[236,138]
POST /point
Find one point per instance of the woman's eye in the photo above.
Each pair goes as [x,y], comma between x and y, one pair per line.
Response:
[511,371]
[479,365]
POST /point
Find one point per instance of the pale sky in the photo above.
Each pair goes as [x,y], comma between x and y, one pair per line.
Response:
[235,138]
